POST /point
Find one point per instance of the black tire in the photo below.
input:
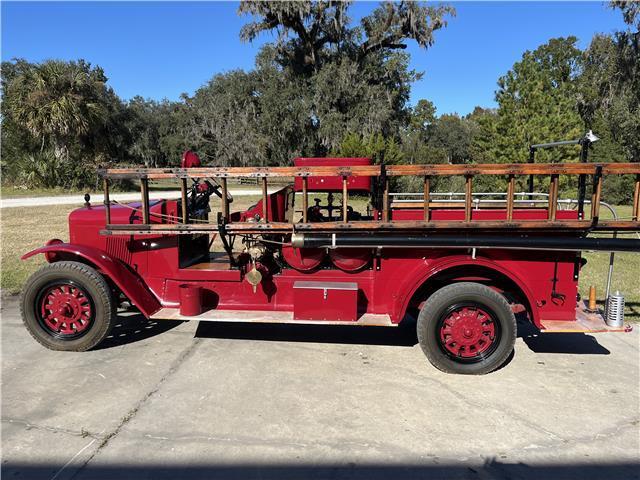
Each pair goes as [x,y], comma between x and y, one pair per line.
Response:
[493,334]
[88,306]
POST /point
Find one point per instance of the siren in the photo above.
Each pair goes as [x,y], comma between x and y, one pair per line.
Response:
[190,160]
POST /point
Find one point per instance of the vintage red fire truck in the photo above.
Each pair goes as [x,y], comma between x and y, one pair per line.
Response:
[461,266]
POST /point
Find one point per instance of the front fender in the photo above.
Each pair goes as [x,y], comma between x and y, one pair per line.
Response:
[127,281]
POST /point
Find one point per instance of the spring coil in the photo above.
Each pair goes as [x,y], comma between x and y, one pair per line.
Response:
[615,310]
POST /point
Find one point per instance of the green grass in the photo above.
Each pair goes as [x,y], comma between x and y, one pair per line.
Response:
[24,229]
[626,273]
[18,191]
[11,190]
[625,279]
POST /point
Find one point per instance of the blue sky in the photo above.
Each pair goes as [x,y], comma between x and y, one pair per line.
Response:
[160,50]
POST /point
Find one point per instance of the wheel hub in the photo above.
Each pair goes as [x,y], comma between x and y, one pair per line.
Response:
[65,310]
[467,332]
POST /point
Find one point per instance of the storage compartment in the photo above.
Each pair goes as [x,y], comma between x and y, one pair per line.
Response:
[325,301]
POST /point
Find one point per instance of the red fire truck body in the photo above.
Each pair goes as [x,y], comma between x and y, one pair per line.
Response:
[473,292]
[387,284]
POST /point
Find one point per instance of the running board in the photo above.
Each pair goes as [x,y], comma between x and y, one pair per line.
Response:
[267,316]
[585,322]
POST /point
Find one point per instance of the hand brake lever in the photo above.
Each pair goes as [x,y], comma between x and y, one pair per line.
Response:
[217,189]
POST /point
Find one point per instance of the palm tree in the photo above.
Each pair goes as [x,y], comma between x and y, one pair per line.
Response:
[59,102]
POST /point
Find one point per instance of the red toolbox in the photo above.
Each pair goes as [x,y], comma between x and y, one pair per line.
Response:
[336,301]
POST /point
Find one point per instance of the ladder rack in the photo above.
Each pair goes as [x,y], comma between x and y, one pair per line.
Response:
[382,174]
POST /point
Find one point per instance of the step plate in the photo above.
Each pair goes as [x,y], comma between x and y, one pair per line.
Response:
[585,322]
[265,316]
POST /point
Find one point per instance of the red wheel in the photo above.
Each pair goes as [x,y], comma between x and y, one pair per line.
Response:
[466,328]
[468,332]
[68,306]
[65,310]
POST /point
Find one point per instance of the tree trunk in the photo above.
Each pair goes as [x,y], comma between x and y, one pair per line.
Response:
[60,150]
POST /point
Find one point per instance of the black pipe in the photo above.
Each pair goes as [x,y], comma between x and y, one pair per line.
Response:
[532,153]
[570,244]
[556,144]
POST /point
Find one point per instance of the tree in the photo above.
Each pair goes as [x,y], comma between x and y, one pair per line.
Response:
[16,139]
[600,101]
[481,149]
[624,113]
[422,118]
[311,33]
[59,102]
[609,98]
[375,147]
[143,125]
[536,103]
[630,11]
[454,136]
[59,117]
[285,119]
[178,130]
[415,139]
[347,78]
[304,29]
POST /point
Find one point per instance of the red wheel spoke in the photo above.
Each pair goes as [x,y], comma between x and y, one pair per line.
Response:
[467,332]
[66,310]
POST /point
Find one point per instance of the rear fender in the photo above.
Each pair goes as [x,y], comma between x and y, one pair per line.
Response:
[414,282]
[127,281]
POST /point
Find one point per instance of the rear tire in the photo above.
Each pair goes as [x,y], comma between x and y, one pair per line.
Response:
[67,306]
[466,328]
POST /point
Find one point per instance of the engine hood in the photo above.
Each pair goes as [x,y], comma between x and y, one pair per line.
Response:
[90,220]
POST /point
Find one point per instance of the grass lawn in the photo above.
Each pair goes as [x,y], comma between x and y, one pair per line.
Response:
[19,191]
[24,229]
[625,274]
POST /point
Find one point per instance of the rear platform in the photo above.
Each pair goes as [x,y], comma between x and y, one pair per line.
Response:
[585,322]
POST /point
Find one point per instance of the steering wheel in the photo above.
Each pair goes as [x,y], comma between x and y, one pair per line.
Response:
[200,194]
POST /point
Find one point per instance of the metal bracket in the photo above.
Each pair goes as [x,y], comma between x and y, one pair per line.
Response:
[597,176]
[223,239]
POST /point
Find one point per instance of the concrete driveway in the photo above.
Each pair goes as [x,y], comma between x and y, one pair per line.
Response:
[169,400]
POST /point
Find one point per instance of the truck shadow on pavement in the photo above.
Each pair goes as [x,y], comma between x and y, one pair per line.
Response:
[133,327]
[402,336]
[570,343]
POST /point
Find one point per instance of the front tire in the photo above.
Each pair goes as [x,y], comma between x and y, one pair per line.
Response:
[67,306]
[466,328]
